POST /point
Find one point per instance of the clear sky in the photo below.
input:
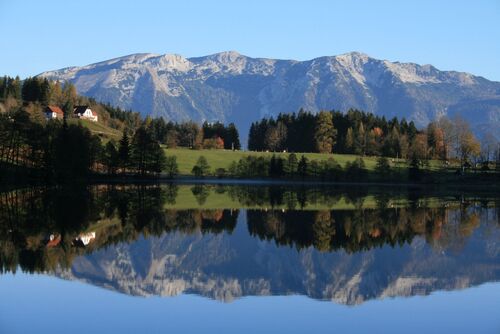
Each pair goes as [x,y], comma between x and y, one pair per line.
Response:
[452,35]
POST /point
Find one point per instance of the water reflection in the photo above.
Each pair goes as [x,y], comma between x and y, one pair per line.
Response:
[229,241]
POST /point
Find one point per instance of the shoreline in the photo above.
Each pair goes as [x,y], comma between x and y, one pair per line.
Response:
[186,180]
[472,183]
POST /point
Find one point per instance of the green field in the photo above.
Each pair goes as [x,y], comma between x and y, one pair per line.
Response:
[186,158]
[104,132]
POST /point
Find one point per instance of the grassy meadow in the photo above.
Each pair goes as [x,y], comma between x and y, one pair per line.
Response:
[186,158]
[104,132]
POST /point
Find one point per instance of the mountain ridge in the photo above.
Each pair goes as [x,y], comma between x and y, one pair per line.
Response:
[231,87]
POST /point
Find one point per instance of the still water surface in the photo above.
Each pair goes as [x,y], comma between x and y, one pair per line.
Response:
[246,259]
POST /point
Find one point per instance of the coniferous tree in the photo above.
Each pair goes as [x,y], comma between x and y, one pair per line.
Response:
[141,150]
[233,138]
[360,142]
[292,165]
[68,109]
[110,157]
[56,96]
[349,141]
[324,132]
[69,93]
[14,88]
[3,88]
[45,89]
[383,166]
[124,152]
[302,167]
[158,159]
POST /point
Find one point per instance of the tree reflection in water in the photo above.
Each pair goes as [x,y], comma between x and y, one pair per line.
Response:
[42,229]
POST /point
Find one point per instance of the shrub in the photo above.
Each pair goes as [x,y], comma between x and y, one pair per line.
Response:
[171,167]
[356,170]
[220,172]
[202,168]
[383,166]
[213,143]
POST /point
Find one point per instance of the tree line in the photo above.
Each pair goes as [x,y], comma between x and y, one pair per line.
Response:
[62,152]
[191,135]
[34,94]
[31,142]
[361,133]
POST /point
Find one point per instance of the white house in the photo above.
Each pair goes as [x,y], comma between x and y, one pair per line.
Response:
[85,112]
[84,239]
[53,112]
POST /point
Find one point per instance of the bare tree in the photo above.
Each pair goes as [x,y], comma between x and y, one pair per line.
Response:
[489,144]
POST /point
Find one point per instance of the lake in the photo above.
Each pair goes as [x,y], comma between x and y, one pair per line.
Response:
[249,259]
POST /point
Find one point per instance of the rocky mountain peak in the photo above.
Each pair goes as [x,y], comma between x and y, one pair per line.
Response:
[231,87]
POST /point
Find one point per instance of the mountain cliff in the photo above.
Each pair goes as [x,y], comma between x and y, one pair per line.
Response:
[231,87]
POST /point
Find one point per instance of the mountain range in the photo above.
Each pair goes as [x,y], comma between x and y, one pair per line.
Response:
[231,87]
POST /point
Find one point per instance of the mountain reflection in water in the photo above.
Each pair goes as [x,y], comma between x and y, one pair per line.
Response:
[225,242]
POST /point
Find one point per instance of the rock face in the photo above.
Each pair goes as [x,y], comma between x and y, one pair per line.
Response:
[228,266]
[231,87]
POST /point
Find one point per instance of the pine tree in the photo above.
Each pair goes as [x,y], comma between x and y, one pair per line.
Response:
[292,164]
[324,134]
[349,141]
[69,93]
[56,96]
[111,159]
[141,149]
[302,167]
[68,109]
[3,88]
[44,96]
[252,138]
[360,143]
[383,166]
[14,88]
[233,138]
[124,152]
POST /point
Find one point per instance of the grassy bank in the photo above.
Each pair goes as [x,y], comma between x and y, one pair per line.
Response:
[104,132]
[186,159]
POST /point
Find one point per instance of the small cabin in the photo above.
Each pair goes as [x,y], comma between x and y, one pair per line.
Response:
[53,112]
[84,112]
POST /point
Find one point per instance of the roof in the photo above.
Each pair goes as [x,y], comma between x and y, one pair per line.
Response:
[80,109]
[55,109]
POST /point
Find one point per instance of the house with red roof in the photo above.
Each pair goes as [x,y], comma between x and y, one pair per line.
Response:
[53,112]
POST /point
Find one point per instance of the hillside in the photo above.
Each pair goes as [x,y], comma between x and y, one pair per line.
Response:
[103,131]
[231,87]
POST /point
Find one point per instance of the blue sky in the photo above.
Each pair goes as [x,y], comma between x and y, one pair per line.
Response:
[452,35]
